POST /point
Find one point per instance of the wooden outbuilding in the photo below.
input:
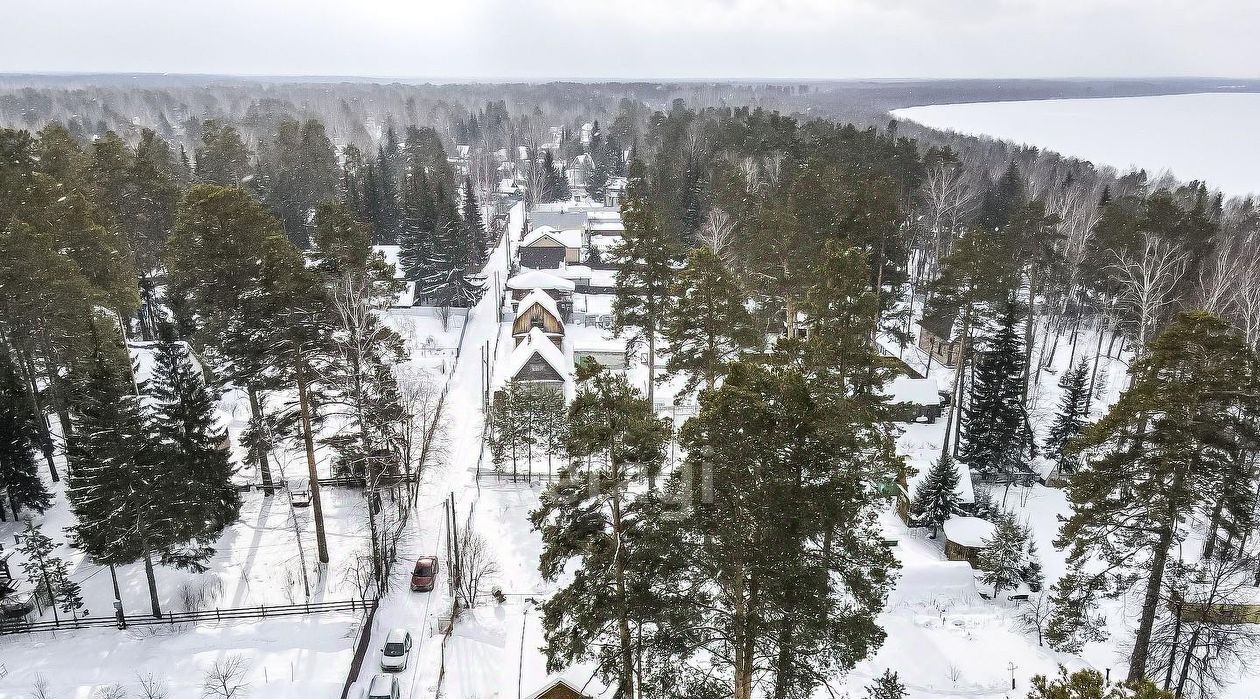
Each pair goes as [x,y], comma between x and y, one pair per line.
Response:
[965,537]
[936,337]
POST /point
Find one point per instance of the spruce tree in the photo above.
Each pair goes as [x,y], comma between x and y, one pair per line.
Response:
[1073,621]
[50,572]
[196,481]
[936,498]
[19,477]
[222,157]
[886,686]
[995,438]
[1003,556]
[474,229]
[1071,418]
[114,464]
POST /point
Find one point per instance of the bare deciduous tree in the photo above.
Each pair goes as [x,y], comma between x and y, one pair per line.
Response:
[109,691]
[152,687]
[40,688]
[226,679]
[476,565]
[718,235]
[1147,278]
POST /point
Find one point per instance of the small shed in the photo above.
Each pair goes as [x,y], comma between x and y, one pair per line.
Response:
[936,337]
[538,311]
[915,399]
[964,537]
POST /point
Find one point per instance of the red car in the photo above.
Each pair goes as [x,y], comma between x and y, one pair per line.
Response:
[425,574]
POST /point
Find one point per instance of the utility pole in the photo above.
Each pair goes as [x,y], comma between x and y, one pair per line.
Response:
[317,509]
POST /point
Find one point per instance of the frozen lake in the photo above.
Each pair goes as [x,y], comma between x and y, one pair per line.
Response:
[1211,137]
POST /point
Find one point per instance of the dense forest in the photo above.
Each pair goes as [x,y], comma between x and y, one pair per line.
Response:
[764,254]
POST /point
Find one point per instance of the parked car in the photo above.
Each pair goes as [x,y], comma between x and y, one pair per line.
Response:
[383,687]
[425,574]
[396,651]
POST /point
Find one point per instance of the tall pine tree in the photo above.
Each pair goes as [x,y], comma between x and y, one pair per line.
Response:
[995,438]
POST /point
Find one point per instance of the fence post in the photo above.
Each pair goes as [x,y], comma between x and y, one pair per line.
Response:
[262,610]
[216,614]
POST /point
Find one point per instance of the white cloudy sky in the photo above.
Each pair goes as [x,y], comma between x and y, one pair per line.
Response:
[635,38]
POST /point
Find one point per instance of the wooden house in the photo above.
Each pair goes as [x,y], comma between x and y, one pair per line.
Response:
[538,311]
[537,360]
[936,337]
[548,248]
[964,537]
[558,688]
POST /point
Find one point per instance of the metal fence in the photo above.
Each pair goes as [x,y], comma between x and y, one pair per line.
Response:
[14,626]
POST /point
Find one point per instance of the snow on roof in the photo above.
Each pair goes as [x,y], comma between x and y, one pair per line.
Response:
[904,389]
[605,242]
[536,279]
[535,343]
[606,225]
[575,272]
[570,238]
[924,582]
[968,531]
[555,681]
[540,297]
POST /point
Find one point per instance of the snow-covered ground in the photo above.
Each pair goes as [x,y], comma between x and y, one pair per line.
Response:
[1201,136]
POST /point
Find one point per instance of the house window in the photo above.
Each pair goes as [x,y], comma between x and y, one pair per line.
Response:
[536,322]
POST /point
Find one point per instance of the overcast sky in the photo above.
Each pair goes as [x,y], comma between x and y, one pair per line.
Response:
[533,39]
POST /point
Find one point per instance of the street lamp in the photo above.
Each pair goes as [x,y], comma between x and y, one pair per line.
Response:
[1012,667]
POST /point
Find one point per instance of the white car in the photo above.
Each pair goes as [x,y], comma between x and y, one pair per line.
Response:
[396,651]
[383,687]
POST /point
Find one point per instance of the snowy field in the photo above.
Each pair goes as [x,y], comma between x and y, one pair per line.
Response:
[1202,136]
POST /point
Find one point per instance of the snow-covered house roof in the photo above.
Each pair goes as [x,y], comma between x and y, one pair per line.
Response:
[536,344]
[554,683]
[537,279]
[570,238]
[575,272]
[904,389]
[968,531]
[540,298]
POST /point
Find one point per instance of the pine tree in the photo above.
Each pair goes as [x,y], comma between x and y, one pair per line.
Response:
[1071,419]
[196,481]
[608,611]
[1166,449]
[995,436]
[707,325]
[794,474]
[886,686]
[645,270]
[1003,554]
[936,498]
[222,157]
[19,476]
[1073,623]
